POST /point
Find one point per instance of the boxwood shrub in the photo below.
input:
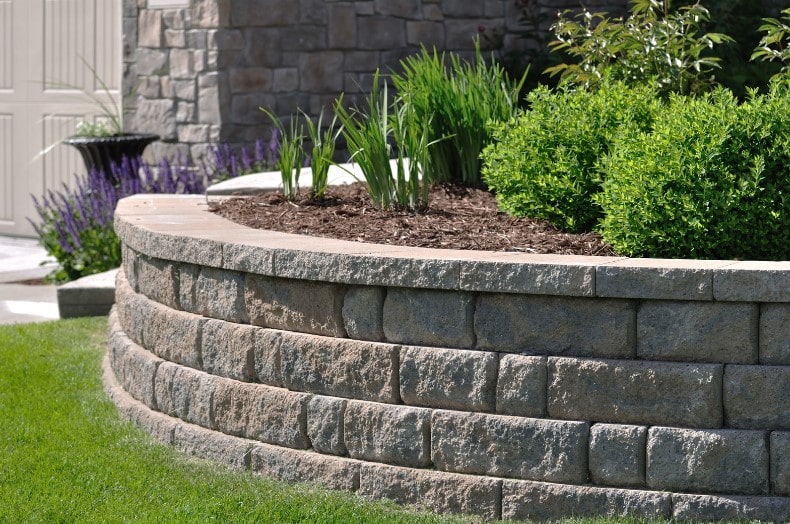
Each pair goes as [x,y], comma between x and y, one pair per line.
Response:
[711,180]
[543,163]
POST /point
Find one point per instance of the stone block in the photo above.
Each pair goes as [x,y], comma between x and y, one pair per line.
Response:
[250,79]
[775,334]
[220,294]
[254,411]
[657,279]
[150,28]
[312,11]
[175,38]
[170,334]
[303,38]
[429,317]
[193,134]
[399,8]
[521,386]
[448,378]
[129,266]
[211,13]
[319,71]
[698,331]
[187,285]
[396,435]
[429,34]
[284,79]
[150,62]
[225,39]
[780,463]
[753,281]
[501,446]
[325,424]
[362,312]
[697,508]
[635,392]
[158,280]
[228,349]
[380,32]
[292,465]
[532,274]
[460,32]
[432,490]
[268,369]
[128,306]
[718,461]
[156,116]
[462,8]
[339,367]
[185,393]
[262,47]
[212,445]
[556,325]
[617,455]
[134,367]
[264,13]
[342,26]
[294,305]
[184,89]
[539,501]
[757,397]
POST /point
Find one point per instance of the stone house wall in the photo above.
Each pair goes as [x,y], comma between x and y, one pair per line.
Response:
[197,75]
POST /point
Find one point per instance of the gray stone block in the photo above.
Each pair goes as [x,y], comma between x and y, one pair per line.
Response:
[396,435]
[775,334]
[780,463]
[501,446]
[617,455]
[530,276]
[696,508]
[752,281]
[228,349]
[539,501]
[158,280]
[656,279]
[293,305]
[698,331]
[185,393]
[187,286]
[134,367]
[521,386]
[248,258]
[89,296]
[325,424]
[717,461]
[292,465]
[635,392]
[254,411]
[433,490]
[448,378]
[339,367]
[170,334]
[129,265]
[220,294]
[267,357]
[556,325]
[757,397]
[429,317]
[362,312]
[212,445]
[159,426]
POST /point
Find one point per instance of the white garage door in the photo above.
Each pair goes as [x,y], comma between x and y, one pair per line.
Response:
[42,47]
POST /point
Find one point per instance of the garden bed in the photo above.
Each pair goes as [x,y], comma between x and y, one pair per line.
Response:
[506,384]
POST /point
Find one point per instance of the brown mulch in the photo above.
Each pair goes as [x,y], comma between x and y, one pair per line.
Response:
[457,218]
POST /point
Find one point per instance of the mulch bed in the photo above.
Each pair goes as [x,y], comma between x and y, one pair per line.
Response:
[457,218]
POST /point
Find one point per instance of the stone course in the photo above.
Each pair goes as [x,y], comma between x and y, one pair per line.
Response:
[576,422]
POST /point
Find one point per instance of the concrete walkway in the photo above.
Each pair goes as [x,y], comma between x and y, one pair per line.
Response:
[20,261]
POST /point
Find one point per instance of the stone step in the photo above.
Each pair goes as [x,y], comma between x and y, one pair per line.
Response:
[90,296]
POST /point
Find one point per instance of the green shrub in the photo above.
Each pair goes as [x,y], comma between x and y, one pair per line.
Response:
[710,180]
[775,43]
[542,164]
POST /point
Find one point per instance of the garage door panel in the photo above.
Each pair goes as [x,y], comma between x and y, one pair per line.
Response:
[6,43]
[62,161]
[6,163]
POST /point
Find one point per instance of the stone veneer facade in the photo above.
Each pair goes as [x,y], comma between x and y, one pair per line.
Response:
[508,385]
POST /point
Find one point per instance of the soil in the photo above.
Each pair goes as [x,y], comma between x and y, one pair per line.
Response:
[456,218]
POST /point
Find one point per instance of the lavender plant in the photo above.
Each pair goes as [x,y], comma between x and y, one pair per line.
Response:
[227,164]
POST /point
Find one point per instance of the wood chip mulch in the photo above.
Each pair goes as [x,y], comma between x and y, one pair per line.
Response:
[456,218]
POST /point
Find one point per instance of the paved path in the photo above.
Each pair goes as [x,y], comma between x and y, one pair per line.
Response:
[20,260]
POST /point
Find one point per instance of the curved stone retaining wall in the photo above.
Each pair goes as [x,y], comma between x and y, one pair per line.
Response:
[502,384]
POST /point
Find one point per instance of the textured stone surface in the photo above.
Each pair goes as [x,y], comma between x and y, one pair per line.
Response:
[362,310]
[267,357]
[170,334]
[294,305]
[158,280]
[723,461]
[340,367]
[780,463]
[529,276]
[325,424]
[541,502]
[775,334]
[656,279]
[129,266]
[502,446]
[698,331]
[185,393]
[633,392]
[248,258]
[396,435]
[187,286]
[228,349]
[521,386]
[555,325]
[757,397]
[448,378]
[695,508]
[751,281]
[134,367]
[428,317]
[212,445]
[220,294]
[271,415]
[305,466]
[433,490]
[617,455]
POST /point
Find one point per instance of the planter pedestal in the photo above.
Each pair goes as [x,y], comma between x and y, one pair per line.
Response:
[101,152]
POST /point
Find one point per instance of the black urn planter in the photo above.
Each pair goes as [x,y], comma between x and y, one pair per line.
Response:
[101,152]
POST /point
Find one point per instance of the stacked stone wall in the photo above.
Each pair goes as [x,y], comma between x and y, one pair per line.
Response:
[507,385]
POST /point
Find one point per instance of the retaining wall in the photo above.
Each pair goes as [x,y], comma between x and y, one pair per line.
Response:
[502,384]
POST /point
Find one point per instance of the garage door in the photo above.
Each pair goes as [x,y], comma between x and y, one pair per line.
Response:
[42,77]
